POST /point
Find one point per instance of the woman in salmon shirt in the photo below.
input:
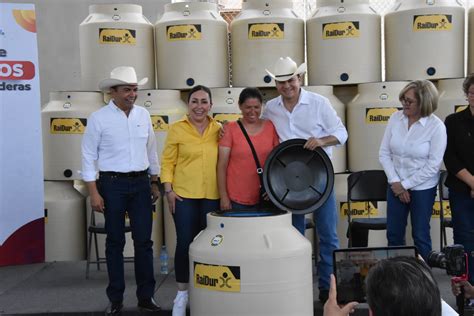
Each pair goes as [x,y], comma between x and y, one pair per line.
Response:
[238,181]
[188,173]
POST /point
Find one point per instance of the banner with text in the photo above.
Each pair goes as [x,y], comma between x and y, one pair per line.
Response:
[21,158]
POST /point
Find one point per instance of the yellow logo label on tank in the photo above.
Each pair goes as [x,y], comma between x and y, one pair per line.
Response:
[118,36]
[67,125]
[183,32]
[226,117]
[160,123]
[379,115]
[358,209]
[437,209]
[216,277]
[432,22]
[459,108]
[339,30]
[266,31]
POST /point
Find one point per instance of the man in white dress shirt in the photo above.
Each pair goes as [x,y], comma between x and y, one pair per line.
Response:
[120,144]
[298,113]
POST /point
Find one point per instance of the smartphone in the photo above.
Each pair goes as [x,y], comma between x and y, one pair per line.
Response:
[352,265]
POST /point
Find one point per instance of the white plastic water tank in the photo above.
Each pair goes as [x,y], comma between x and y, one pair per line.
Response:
[451,97]
[260,34]
[343,40]
[424,39]
[115,35]
[64,120]
[225,104]
[367,117]
[65,221]
[165,107]
[470,41]
[339,152]
[191,46]
[250,264]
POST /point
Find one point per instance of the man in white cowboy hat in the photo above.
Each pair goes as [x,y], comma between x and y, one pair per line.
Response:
[298,113]
[120,143]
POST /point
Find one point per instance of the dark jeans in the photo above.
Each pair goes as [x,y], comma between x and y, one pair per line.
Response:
[462,212]
[131,195]
[189,220]
[420,209]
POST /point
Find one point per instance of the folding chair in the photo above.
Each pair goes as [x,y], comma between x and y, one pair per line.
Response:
[443,195]
[365,186]
[99,228]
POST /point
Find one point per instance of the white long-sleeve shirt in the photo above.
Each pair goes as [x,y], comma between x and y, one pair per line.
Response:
[313,116]
[114,142]
[413,156]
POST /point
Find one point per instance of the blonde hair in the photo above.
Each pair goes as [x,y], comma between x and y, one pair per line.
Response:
[426,94]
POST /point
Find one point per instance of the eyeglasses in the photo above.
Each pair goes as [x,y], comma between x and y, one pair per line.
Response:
[408,101]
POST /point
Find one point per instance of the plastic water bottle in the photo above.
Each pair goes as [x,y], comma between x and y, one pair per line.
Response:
[164,260]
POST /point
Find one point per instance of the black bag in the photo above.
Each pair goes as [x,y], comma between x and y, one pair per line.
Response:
[262,204]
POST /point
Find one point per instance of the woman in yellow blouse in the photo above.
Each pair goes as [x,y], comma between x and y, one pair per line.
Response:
[189,175]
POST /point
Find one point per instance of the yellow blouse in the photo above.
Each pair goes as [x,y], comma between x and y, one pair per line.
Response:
[189,159]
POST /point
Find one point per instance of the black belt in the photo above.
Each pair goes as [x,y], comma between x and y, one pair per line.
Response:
[131,174]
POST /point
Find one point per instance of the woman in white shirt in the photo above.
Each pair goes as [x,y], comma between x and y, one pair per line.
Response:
[411,154]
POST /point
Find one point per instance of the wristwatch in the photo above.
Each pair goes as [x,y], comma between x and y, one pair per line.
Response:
[155,182]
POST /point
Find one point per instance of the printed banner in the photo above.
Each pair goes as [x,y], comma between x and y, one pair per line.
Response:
[21,161]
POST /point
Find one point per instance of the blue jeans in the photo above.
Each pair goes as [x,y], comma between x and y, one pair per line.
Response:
[189,219]
[325,219]
[462,212]
[131,195]
[243,207]
[420,209]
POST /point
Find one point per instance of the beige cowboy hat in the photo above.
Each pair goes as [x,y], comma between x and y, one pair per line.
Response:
[285,69]
[120,76]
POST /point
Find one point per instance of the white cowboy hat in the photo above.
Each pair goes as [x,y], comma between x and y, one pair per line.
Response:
[123,75]
[285,69]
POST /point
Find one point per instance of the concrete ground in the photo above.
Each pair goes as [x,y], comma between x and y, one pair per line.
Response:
[61,288]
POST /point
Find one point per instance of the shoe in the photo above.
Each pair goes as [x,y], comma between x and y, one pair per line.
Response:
[179,306]
[114,308]
[323,295]
[148,305]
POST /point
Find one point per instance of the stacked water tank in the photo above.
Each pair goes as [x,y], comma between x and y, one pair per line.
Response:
[64,120]
[263,32]
[343,39]
[115,35]
[424,39]
[191,46]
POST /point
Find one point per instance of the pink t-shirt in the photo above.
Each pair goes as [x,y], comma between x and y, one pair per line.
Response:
[243,184]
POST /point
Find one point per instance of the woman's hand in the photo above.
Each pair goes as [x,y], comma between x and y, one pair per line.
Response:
[397,188]
[225,203]
[405,197]
[172,197]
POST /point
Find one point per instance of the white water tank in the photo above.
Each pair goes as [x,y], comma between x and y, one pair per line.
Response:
[339,152]
[115,35]
[261,33]
[367,117]
[343,40]
[225,104]
[191,46]
[65,233]
[470,41]
[424,39]
[64,120]
[250,264]
[165,107]
[451,97]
